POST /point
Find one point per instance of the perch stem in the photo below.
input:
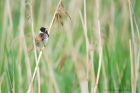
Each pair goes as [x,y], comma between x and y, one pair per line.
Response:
[38,60]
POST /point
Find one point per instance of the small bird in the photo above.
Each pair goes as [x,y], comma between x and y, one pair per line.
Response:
[41,39]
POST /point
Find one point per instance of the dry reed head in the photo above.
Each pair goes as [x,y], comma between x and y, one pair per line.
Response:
[60,14]
[61,63]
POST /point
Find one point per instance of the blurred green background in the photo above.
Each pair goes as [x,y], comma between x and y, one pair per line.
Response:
[63,65]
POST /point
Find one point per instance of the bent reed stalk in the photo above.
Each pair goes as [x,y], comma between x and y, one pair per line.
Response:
[39,57]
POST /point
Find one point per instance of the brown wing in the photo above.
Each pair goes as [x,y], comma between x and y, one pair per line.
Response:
[38,40]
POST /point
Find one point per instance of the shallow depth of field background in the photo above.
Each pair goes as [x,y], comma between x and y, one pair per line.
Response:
[63,65]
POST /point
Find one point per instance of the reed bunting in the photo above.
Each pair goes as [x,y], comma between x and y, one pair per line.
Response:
[41,39]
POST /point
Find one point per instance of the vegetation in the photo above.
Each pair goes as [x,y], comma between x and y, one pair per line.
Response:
[94,46]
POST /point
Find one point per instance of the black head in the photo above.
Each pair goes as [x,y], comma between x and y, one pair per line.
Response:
[43,29]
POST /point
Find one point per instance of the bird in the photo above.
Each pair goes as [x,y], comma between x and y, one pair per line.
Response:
[41,39]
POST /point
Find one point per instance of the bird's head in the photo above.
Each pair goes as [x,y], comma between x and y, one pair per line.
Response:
[44,30]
